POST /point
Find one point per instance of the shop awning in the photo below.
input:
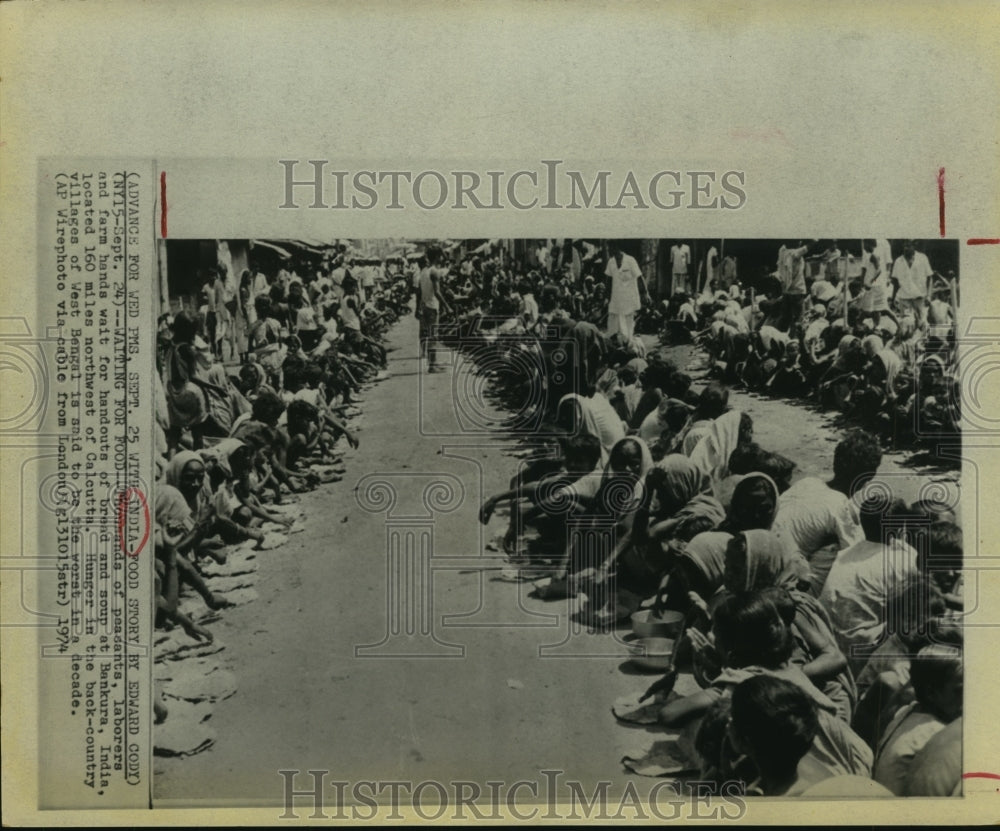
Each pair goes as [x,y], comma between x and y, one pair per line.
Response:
[281,252]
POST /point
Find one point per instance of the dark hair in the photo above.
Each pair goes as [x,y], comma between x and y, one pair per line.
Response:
[930,668]
[677,385]
[752,458]
[710,739]
[782,600]
[689,528]
[752,631]
[301,413]
[626,375]
[931,509]
[262,305]
[713,401]
[943,549]
[619,448]
[777,721]
[946,541]
[184,327]
[910,608]
[856,458]
[745,430]
[293,378]
[584,447]
[659,373]
[873,513]
[268,407]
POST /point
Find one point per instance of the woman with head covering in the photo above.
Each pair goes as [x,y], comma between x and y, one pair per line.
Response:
[187,472]
[594,416]
[757,561]
[661,428]
[871,345]
[700,567]
[713,401]
[711,453]
[676,507]
[172,530]
[681,492]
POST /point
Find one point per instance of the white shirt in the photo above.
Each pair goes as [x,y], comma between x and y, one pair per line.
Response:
[812,516]
[306,319]
[260,285]
[912,277]
[856,590]
[624,285]
[905,736]
[680,258]
[792,269]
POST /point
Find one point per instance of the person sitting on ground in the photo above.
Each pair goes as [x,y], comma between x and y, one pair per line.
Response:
[936,676]
[819,518]
[864,576]
[540,501]
[712,403]
[914,618]
[756,562]
[775,724]
[611,501]
[752,639]
[263,422]
[941,562]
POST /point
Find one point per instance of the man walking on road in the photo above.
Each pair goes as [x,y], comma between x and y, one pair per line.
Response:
[430,301]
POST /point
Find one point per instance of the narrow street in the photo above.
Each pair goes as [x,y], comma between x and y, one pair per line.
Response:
[501,687]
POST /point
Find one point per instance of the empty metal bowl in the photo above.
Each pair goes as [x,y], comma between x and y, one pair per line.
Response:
[652,653]
[646,624]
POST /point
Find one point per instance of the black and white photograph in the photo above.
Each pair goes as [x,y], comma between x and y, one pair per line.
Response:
[511,519]
[539,413]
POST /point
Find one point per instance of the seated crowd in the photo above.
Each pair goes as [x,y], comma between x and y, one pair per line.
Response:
[820,614]
[235,440]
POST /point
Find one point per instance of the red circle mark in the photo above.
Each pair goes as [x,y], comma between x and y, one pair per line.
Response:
[163,204]
[124,499]
[980,775]
[940,185]
[983,241]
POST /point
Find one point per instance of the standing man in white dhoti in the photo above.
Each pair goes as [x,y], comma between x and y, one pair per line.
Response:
[680,266]
[627,285]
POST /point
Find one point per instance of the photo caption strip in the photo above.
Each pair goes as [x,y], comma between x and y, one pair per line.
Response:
[86,491]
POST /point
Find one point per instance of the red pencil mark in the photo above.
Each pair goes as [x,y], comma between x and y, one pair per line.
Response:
[983,241]
[941,199]
[124,499]
[163,204]
[980,775]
